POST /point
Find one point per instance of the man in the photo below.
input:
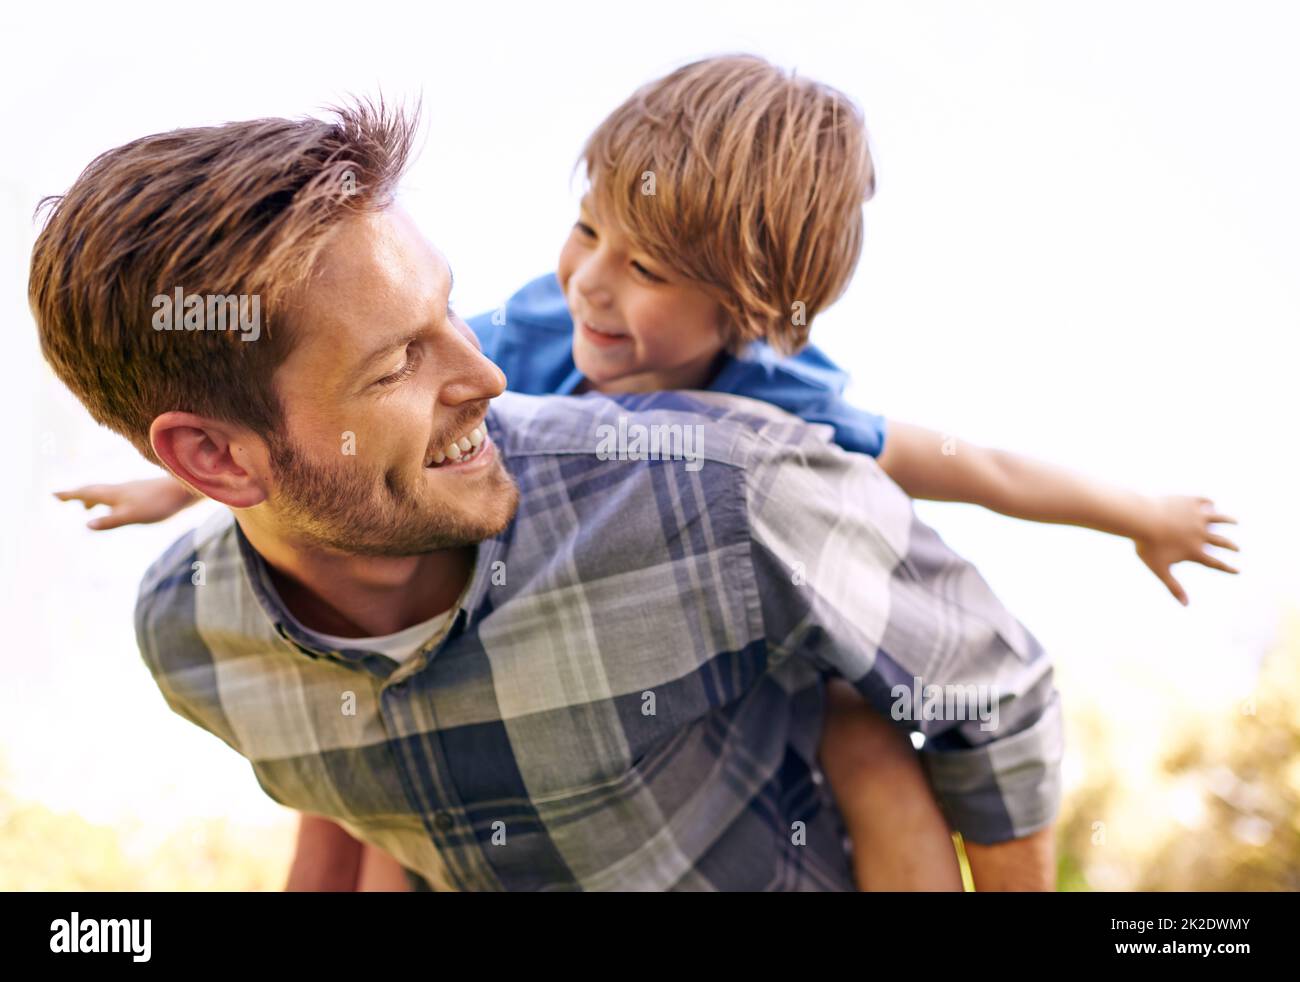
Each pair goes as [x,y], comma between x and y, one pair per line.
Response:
[453,621]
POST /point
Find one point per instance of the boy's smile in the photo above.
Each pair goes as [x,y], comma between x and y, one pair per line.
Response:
[601,337]
[638,327]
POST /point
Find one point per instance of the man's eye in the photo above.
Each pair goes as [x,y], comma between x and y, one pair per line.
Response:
[406,371]
[653,277]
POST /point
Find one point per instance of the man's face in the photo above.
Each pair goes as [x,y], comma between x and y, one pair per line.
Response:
[383,387]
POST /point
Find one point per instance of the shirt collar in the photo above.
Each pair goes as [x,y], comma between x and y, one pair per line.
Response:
[487,563]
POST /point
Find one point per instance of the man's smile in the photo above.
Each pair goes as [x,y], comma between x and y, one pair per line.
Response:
[468,452]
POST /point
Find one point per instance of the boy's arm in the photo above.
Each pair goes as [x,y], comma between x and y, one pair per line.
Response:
[1165,530]
[133,502]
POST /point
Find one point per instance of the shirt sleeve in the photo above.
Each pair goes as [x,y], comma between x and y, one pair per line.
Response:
[848,577]
[810,386]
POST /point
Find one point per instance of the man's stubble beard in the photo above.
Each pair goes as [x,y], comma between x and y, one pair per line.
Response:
[354,511]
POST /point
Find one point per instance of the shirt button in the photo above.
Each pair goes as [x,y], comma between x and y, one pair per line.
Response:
[817,777]
[443,820]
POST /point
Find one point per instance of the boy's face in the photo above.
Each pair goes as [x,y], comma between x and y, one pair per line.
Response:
[383,378]
[637,327]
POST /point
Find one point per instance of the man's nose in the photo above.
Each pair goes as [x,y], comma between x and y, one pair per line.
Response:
[474,376]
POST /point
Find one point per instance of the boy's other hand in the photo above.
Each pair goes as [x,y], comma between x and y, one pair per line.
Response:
[133,502]
[1180,530]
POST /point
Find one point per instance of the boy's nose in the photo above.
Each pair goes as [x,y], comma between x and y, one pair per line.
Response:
[591,286]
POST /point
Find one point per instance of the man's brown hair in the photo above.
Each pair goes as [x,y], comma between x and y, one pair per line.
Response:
[237,209]
[745,179]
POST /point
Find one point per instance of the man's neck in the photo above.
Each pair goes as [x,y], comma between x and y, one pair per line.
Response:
[360,596]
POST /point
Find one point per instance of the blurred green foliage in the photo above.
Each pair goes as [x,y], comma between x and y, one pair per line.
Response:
[1220,811]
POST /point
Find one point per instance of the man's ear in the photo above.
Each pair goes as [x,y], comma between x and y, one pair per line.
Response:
[216,459]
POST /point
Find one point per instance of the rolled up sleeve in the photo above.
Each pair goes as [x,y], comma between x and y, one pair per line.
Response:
[850,578]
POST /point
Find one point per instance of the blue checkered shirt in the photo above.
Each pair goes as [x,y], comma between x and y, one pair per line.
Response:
[630,693]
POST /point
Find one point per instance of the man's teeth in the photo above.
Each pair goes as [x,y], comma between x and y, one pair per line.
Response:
[463,447]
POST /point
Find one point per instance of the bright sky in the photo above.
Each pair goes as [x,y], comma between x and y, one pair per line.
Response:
[1083,246]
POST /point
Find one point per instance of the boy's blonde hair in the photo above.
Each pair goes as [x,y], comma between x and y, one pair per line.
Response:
[746,179]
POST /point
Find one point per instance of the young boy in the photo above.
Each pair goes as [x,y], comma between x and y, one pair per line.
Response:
[724,211]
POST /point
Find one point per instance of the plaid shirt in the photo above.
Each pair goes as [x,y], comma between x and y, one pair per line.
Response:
[630,693]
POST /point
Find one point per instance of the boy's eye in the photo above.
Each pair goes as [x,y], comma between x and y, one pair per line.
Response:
[654,277]
[585,229]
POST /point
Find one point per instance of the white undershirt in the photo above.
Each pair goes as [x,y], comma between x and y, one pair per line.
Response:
[399,646]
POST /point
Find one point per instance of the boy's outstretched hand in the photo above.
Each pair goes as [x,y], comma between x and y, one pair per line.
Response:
[132,503]
[1180,530]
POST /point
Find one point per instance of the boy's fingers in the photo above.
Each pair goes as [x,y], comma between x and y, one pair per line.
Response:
[1221,542]
[1207,505]
[1176,588]
[91,494]
[1213,562]
[1216,518]
[110,521]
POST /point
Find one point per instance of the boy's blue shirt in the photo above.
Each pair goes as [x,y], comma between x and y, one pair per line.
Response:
[531,340]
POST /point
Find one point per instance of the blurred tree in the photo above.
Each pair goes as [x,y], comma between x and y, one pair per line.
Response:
[1221,811]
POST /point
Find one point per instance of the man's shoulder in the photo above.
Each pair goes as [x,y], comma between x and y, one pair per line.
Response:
[767,474]
[699,426]
[211,540]
[196,578]
[622,489]
[166,604]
